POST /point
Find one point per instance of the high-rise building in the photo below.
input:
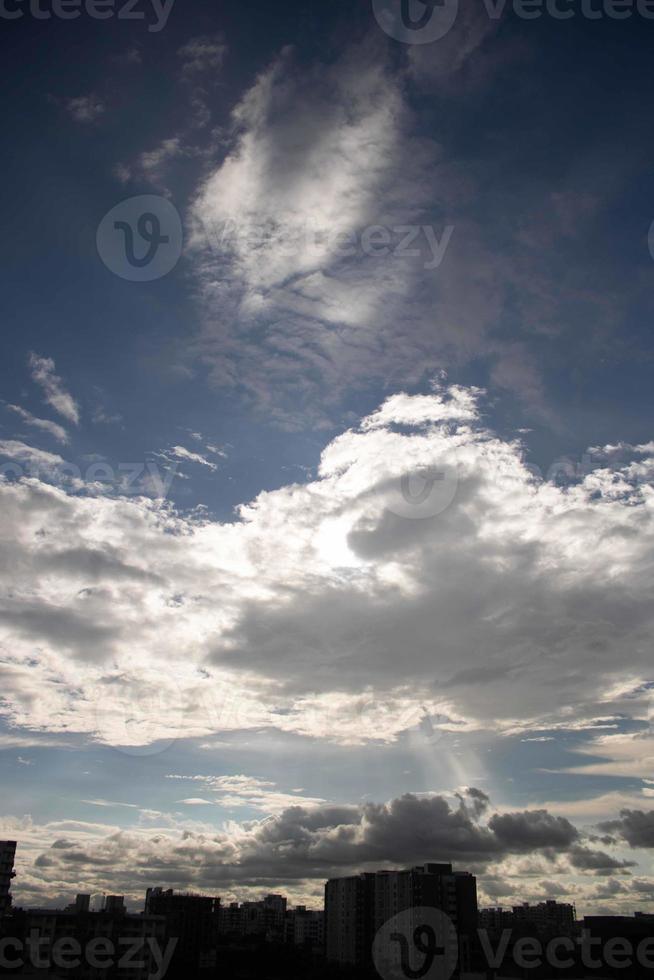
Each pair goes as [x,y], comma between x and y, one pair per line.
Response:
[81,905]
[349,918]
[115,904]
[357,907]
[193,920]
[7,857]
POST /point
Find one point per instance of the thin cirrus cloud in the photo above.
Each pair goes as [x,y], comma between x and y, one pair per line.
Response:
[54,390]
[85,108]
[201,60]
[183,454]
[45,425]
[247,791]
[322,156]
[201,54]
[525,584]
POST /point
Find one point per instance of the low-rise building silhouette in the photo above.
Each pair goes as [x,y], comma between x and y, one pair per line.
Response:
[547,918]
[305,927]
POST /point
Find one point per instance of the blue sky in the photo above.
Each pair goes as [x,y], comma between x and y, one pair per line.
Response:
[241,648]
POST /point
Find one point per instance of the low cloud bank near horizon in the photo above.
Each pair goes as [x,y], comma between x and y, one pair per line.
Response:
[516,854]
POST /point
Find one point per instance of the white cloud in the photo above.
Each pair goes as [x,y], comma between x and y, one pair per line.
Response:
[295,849]
[181,453]
[36,459]
[621,754]
[314,153]
[53,428]
[106,803]
[322,156]
[43,373]
[249,791]
[201,54]
[321,611]
[85,108]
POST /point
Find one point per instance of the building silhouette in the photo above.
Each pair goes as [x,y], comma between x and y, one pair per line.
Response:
[548,918]
[7,858]
[356,907]
[191,919]
[45,929]
[81,904]
[305,927]
[266,938]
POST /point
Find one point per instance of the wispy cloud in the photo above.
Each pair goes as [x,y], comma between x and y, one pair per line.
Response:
[186,455]
[85,108]
[23,453]
[202,54]
[248,791]
[53,428]
[54,390]
[105,803]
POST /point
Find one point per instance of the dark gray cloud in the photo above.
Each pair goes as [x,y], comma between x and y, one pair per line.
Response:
[532,829]
[636,827]
[588,859]
[304,843]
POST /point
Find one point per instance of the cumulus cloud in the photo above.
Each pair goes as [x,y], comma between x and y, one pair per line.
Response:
[296,848]
[532,829]
[351,607]
[43,373]
[30,456]
[636,827]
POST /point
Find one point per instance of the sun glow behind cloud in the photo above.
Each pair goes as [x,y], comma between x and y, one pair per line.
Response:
[338,608]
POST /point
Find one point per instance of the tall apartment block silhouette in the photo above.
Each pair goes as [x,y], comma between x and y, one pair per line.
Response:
[358,906]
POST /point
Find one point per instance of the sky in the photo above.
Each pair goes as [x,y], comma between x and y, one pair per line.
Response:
[326,446]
